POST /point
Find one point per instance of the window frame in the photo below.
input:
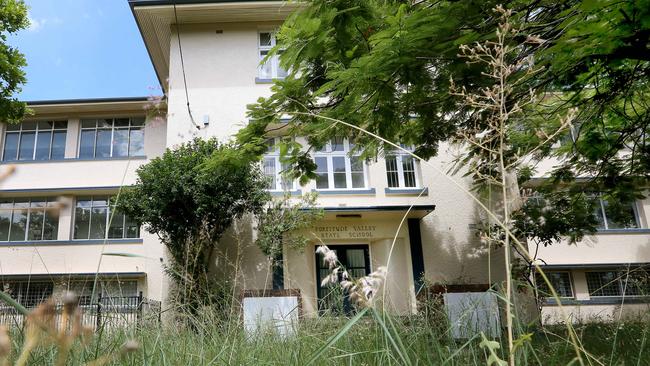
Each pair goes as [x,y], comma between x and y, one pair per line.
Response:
[620,278]
[401,178]
[36,131]
[275,60]
[273,153]
[129,128]
[328,153]
[107,223]
[49,204]
[603,212]
[542,283]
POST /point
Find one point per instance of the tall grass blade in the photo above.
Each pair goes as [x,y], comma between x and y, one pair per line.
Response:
[333,339]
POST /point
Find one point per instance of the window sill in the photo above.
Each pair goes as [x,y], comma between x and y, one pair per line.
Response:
[296,192]
[606,300]
[65,160]
[264,81]
[407,191]
[623,231]
[368,191]
[70,242]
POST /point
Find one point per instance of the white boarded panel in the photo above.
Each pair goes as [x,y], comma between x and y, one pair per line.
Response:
[278,313]
[472,312]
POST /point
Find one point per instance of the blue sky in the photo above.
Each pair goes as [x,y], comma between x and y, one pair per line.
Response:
[84,49]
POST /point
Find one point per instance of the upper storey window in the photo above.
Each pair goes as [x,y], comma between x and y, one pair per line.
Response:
[25,219]
[271,68]
[336,169]
[611,217]
[111,138]
[43,140]
[274,169]
[401,170]
[97,218]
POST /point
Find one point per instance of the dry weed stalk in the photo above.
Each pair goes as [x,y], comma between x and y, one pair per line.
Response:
[494,162]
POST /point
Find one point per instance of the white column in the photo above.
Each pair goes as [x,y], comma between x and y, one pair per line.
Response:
[72,138]
[65,218]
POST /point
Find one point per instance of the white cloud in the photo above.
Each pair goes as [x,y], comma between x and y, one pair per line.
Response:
[36,25]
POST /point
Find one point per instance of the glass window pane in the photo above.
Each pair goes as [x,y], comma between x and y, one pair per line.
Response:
[35,231]
[120,142]
[131,228]
[355,258]
[5,222]
[620,217]
[89,123]
[11,146]
[29,126]
[18,224]
[116,228]
[286,180]
[103,149]
[322,181]
[121,122]
[27,140]
[280,72]
[45,125]
[265,39]
[60,125]
[337,144]
[43,145]
[105,123]
[136,142]
[137,122]
[358,180]
[265,69]
[58,145]
[338,164]
[603,283]
[13,127]
[51,224]
[98,222]
[270,173]
[81,221]
[87,144]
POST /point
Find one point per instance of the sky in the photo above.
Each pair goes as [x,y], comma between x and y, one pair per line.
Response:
[84,49]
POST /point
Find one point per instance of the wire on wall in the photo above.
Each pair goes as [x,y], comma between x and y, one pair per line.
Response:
[180,50]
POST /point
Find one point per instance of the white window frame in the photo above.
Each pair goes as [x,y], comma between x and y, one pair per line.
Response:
[327,153]
[399,155]
[36,131]
[603,211]
[113,128]
[274,60]
[109,213]
[274,154]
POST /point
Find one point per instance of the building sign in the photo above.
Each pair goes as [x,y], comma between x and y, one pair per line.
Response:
[346,231]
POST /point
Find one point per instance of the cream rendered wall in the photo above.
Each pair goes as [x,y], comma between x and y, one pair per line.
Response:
[220,69]
[73,177]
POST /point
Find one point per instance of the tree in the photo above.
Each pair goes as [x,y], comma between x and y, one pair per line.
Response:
[385,66]
[189,197]
[13,17]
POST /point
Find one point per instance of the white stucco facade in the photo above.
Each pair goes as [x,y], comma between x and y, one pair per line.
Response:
[220,49]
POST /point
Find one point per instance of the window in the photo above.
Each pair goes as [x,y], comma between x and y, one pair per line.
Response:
[335,169]
[28,294]
[561,282]
[614,216]
[355,259]
[97,218]
[634,282]
[106,289]
[275,170]
[401,170]
[43,140]
[271,68]
[25,219]
[111,138]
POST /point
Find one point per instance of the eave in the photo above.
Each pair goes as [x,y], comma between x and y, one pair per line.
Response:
[97,107]
[155,19]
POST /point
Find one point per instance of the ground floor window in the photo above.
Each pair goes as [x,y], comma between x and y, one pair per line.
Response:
[355,259]
[560,280]
[29,294]
[633,282]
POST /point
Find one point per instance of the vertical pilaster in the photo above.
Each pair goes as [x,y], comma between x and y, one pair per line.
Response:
[72,138]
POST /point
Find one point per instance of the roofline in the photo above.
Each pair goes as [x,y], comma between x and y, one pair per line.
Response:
[86,101]
[133,3]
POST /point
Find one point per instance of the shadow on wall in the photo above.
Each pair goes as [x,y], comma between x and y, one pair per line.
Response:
[453,252]
[238,259]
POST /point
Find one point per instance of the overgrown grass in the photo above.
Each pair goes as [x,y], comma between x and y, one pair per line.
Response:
[214,342]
